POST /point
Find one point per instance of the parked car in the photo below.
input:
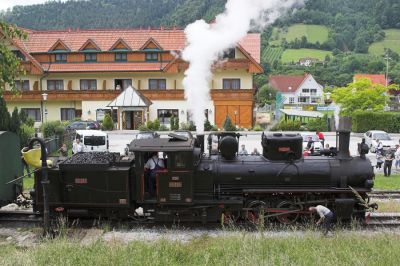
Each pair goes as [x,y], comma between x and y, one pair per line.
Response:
[373,135]
[81,125]
[317,143]
[93,140]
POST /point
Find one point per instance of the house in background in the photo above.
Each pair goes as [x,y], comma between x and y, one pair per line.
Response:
[308,61]
[81,73]
[298,90]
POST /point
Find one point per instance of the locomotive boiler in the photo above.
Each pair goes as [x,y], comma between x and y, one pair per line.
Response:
[278,185]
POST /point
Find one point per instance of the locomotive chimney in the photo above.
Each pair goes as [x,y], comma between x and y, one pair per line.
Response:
[200,142]
[343,137]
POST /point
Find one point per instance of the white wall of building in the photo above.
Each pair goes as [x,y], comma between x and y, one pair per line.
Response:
[308,83]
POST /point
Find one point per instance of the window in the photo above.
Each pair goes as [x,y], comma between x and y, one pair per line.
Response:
[120,57]
[55,85]
[67,114]
[314,100]
[313,92]
[33,113]
[151,56]
[303,99]
[291,100]
[229,54]
[157,84]
[22,85]
[164,115]
[94,140]
[19,55]
[122,83]
[180,160]
[61,57]
[90,57]
[88,84]
[231,84]
[306,90]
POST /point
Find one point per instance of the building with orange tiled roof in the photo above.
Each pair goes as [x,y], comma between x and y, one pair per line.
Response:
[82,71]
[375,78]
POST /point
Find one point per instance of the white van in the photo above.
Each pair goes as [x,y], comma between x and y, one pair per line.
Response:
[93,140]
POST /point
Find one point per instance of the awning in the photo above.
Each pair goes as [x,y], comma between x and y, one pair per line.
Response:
[301,113]
[130,97]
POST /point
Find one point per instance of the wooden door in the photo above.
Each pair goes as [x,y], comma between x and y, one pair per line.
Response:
[137,119]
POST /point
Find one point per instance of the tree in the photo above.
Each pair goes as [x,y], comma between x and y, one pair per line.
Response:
[15,122]
[227,125]
[265,95]
[9,63]
[108,123]
[4,116]
[361,95]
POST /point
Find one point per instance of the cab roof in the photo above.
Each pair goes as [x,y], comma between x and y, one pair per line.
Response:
[90,132]
[162,144]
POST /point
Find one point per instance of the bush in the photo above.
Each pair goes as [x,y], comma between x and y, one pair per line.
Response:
[227,125]
[108,123]
[59,130]
[30,122]
[149,125]
[257,128]
[288,125]
[174,123]
[143,127]
[25,134]
[48,129]
[207,125]
[163,128]
[318,124]
[156,124]
[367,120]
[188,126]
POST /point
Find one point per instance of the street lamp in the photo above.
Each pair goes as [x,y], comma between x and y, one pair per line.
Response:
[44,96]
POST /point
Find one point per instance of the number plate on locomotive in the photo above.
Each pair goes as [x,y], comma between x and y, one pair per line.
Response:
[175,184]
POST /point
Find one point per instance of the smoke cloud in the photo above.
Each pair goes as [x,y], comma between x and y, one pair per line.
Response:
[206,42]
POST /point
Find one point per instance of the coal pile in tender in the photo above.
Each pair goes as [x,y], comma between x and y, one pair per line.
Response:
[89,160]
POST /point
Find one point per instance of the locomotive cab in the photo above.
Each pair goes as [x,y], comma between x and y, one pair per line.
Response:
[174,183]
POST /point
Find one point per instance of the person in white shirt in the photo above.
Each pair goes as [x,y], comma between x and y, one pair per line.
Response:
[153,164]
[326,216]
[77,146]
[243,151]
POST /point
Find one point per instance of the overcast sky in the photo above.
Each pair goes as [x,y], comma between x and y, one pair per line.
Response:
[4,4]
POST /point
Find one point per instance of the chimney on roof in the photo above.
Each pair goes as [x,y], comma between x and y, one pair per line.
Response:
[69,29]
[290,88]
[161,27]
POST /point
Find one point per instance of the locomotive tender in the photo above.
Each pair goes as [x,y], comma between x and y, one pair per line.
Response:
[280,184]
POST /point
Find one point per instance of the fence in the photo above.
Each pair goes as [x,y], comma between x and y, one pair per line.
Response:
[53,144]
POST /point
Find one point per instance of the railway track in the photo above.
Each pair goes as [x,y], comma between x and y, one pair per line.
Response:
[385,194]
[28,218]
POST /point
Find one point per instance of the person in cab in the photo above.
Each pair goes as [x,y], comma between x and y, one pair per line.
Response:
[153,164]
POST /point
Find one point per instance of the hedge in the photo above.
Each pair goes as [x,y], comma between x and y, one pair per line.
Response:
[368,120]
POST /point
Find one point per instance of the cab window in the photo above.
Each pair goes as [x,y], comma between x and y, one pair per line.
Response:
[180,160]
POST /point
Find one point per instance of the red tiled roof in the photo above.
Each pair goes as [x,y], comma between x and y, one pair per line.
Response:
[283,83]
[168,39]
[100,67]
[251,43]
[375,78]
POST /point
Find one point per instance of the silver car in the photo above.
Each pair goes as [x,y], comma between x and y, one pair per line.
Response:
[372,136]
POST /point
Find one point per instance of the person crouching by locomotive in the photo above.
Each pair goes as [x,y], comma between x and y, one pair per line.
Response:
[153,164]
[326,217]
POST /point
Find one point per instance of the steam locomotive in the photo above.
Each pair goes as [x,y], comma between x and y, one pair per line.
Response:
[280,184]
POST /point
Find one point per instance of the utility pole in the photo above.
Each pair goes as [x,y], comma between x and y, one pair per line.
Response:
[387,58]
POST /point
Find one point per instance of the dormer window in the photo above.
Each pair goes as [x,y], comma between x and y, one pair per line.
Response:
[19,55]
[61,58]
[120,57]
[229,54]
[90,57]
[151,56]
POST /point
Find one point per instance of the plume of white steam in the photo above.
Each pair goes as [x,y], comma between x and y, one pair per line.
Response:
[206,42]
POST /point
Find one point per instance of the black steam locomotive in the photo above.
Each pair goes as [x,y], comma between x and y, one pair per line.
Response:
[279,184]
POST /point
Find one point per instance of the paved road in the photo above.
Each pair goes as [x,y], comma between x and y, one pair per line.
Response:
[119,139]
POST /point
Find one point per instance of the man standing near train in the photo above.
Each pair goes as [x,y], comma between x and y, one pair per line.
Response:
[326,217]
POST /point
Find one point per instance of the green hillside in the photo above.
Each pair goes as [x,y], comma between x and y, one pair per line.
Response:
[392,41]
[293,55]
[313,33]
